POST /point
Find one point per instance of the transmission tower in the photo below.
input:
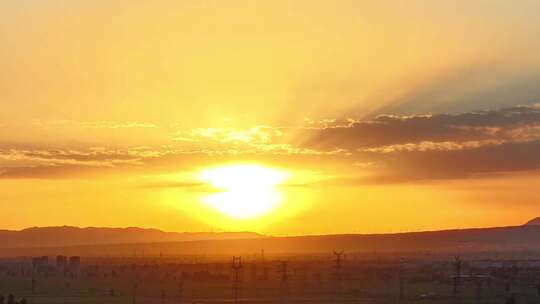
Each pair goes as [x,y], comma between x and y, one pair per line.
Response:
[284,283]
[337,267]
[236,266]
[265,267]
[338,263]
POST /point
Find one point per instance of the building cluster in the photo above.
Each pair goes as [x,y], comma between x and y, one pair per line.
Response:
[64,265]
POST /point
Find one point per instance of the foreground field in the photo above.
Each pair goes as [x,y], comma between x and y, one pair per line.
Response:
[306,280]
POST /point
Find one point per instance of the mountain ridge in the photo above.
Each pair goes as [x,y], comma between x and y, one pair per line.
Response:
[533,222]
[494,239]
[55,236]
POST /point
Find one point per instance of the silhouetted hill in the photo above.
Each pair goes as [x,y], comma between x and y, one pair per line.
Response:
[70,236]
[503,239]
[534,222]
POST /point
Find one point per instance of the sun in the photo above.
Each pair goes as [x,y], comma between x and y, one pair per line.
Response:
[245,191]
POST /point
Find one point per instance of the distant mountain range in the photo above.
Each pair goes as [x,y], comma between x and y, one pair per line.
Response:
[72,236]
[534,222]
[128,241]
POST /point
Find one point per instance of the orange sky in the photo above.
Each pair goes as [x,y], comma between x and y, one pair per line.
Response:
[384,116]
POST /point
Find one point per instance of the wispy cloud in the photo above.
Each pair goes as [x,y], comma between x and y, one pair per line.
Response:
[387,148]
[229,135]
[100,124]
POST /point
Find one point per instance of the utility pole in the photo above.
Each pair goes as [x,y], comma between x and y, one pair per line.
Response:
[401,279]
[337,266]
[236,266]
[284,283]
[134,301]
[180,290]
[458,263]
[478,282]
[265,267]
[135,284]
[33,282]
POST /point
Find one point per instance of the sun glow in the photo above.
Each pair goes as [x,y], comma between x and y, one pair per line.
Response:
[244,191]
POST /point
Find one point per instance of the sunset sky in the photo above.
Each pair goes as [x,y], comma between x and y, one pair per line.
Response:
[281,117]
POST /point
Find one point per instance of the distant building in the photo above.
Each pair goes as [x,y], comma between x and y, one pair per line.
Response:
[40,265]
[35,262]
[40,262]
[75,262]
[61,262]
